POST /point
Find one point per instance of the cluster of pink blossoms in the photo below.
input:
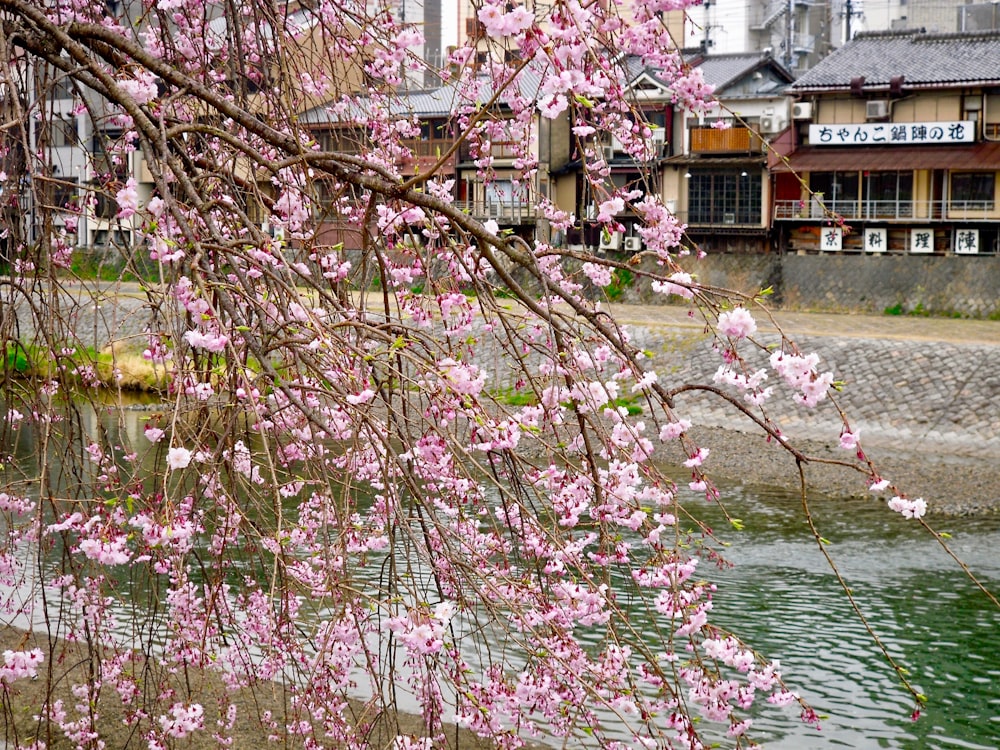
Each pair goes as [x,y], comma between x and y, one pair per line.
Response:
[20,664]
[799,371]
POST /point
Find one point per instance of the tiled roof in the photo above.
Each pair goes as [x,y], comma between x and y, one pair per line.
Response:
[922,60]
[720,70]
[440,102]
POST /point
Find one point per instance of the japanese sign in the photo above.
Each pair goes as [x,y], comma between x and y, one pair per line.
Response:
[891,133]
[831,238]
[922,240]
[966,241]
[876,240]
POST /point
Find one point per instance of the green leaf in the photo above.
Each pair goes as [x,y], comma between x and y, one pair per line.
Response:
[737,523]
[824,540]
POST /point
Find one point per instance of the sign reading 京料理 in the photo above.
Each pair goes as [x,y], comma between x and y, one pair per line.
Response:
[831,239]
[892,133]
[922,240]
[876,240]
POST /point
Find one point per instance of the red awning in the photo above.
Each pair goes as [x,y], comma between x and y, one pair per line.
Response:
[978,156]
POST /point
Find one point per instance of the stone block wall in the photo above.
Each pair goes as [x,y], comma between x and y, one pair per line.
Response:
[966,286]
[961,286]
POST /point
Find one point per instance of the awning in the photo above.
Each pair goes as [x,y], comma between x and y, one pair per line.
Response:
[977,156]
[689,160]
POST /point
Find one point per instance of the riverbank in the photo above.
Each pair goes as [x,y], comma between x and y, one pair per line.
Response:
[67,663]
[924,394]
[951,484]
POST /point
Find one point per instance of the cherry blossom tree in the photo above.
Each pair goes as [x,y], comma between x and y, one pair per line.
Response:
[393,470]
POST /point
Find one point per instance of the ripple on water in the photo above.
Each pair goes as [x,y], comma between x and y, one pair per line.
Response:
[783,597]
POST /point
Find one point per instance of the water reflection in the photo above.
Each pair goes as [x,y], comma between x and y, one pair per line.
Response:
[781,597]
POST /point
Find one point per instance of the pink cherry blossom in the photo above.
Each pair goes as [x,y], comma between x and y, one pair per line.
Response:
[849,440]
[211,342]
[737,323]
[178,458]
[908,508]
[20,664]
[127,199]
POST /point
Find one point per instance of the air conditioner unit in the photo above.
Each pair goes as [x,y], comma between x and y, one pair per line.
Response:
[877,110]
[771,124]
[659,135]
[728,218]
[633,244]
[609,153]
[611,241]
[802,111]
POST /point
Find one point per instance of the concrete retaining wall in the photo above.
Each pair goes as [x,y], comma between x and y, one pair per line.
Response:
[951,285]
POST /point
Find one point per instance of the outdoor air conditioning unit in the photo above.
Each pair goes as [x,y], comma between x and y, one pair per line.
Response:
[611,241]
[609,153]
[802,111]
[633,244]
[728,218]
[877,109]
[771,124]
[659,135]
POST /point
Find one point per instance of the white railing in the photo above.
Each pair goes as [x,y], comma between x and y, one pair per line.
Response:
[893,210]
[510,211]
[718,219]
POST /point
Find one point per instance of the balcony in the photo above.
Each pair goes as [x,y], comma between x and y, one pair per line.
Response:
[898,210]
[720,221]
[499,150]
[730,141]
[514,212]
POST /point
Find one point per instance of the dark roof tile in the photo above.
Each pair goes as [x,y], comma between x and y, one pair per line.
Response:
[922,59]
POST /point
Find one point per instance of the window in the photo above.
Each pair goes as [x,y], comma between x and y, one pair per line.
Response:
[109,160]
[839,189]
[434,139]
[115,238]
[730,197]
[972,190]
[105,206]
[889,194]
[62,131]
[65,195]
[505,193]
[62,87]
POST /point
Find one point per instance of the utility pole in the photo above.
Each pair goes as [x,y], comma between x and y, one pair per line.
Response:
[849,12]
[788,34]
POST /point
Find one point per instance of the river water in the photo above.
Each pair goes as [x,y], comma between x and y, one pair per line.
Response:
[782,597]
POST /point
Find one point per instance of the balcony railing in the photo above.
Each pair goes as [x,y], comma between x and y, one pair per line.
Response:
[719,220]
[511,212]
[897,210]
[729,141]
[498,150]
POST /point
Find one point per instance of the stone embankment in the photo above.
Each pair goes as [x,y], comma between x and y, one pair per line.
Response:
[924,393]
